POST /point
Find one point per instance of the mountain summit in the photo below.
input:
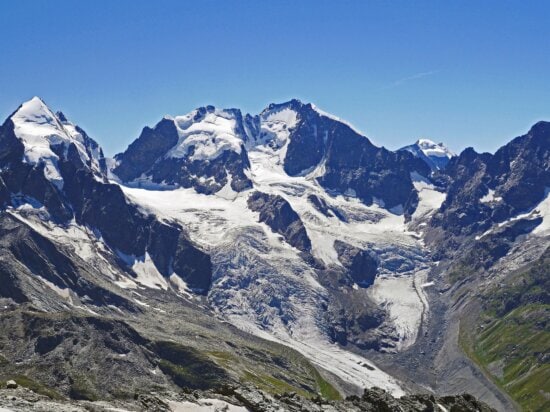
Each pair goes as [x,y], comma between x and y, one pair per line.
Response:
[436,155]
[209,149]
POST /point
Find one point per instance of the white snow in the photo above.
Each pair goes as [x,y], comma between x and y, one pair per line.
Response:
[181,285]
[429,198]
[432,149]
[540,210]
[145,270]
[443,409]
[331,116]
[404,298]
[261,284]
[141,303]
[490,197]
[64,293]
[215,133]
[543,210]
[225,226]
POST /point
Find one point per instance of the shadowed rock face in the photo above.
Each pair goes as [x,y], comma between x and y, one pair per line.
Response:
[325,208]
[277,213]
[206,177]
[145,150]
[352,163]
[27,253]
[361,265]
[517,176]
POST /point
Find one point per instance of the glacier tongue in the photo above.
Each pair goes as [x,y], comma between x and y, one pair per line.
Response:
[265,286]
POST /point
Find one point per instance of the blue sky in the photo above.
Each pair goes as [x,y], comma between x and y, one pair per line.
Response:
[466,73]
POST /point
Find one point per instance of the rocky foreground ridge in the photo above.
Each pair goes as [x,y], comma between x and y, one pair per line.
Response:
[242,399]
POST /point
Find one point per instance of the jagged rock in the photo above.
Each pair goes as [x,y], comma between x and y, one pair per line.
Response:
[277,213]
[488,189]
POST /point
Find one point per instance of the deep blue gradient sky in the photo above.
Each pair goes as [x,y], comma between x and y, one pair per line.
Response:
[466,73]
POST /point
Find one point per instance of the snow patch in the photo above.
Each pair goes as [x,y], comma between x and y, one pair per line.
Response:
[429,198]
[146,272]
[490,197]
[432,149]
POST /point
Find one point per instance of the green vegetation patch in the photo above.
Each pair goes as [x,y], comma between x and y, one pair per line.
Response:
[515,350]
[272,384]
[188,367]
[82,388]
[325,388]
[511,341]
[31,384]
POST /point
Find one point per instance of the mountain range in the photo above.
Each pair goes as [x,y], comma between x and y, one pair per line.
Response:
[282,250]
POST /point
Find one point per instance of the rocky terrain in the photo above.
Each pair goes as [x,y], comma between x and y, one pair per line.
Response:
[247,257]
[242,399]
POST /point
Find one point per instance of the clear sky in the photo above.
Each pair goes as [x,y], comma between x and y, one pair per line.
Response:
[468,73]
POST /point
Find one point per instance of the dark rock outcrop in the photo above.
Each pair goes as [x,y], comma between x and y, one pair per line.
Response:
[353,165]
[517,176]
[322,206]
[143,152]
[361,265]
[277,213]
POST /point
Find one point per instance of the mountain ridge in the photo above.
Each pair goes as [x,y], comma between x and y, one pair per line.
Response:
[288,224]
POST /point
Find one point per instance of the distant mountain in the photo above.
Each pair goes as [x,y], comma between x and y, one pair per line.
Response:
[281,250]
[436,155]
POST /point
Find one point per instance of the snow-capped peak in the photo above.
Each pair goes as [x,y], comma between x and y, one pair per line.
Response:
[436,155]
[276,122]
[40,131]
[430,148]
[205,133]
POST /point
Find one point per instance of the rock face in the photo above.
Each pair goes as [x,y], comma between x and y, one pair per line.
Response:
[140,156]
[350,163]
[361,264]
[208,149]
[277,213]
[248,398]
[30,258]
[486,189]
